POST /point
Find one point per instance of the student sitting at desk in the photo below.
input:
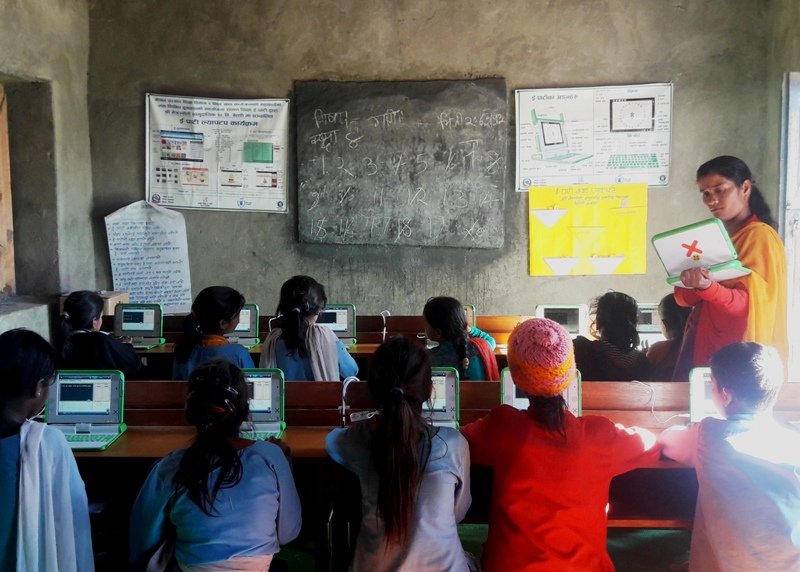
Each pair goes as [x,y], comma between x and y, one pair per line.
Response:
[613,356]
[44,518]
[748,468]
[81,344]
[552,470]
[215,312]
[302,349]
[414,477]
[223,503]
[664,354]
[469,350]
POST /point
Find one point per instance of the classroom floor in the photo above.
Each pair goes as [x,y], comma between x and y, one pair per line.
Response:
[631,550]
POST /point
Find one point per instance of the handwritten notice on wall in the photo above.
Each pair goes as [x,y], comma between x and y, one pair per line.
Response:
[150,256]
[588,230]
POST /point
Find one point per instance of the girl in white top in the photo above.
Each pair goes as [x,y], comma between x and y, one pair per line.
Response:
[414,477]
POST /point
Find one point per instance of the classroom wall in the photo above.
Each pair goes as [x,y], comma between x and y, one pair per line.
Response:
[714,51]
[44,53]
[783,57]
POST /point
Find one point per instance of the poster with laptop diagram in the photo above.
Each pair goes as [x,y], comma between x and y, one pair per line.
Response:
[588,230]
[594,135]
[217,154]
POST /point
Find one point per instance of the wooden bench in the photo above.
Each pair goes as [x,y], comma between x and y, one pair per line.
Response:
[161,403]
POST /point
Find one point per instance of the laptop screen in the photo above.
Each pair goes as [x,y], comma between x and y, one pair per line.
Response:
[340,318]
[514,396]
[248,322]
[552,133]
[138,320]
[86,397]
[701,402]
[438,401]
[443,404]
[264,389]
[572,318]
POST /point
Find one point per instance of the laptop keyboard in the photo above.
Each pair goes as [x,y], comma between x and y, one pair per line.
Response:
[261,435]
[89,437]
[635,161]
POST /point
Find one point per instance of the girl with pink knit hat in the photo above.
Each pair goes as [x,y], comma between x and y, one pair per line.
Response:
[551,469]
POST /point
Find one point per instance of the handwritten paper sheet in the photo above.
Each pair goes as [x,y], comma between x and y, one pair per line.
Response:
[588,230]
[150,256]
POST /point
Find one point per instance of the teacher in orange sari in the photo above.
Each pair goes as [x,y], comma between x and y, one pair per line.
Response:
[747,309]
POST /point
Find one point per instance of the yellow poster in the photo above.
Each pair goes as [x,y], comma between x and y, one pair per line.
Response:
[588,229]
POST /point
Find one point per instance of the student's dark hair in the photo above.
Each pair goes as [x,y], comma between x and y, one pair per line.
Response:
[737,171]
[81,308]
[210,307]
[25,359]
[217,404]
[674,317]
[449,317]
[616,316]
[400,382]
[752,372]
[549,412]
[301,297]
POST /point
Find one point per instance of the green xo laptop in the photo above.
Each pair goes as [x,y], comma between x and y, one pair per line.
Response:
[265,389]
[87,407]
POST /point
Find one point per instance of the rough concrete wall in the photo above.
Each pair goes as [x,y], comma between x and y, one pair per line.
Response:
[784,56]
[25,312]
[714,52]
[48,41]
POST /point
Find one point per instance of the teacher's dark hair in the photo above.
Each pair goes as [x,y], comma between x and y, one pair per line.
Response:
[737,171]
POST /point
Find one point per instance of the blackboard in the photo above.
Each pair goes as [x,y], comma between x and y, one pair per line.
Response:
[406,163]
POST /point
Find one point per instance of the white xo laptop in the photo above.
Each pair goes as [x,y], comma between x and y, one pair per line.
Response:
[518,399]
[142,322]
[573,317]
[341,318]
[87,407]
[442,410]
[246,333]
[471,316]
[701,404]
[704,244]
[265,390]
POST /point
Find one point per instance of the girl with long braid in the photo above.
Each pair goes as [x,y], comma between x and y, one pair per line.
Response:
[467,349]
[228,502]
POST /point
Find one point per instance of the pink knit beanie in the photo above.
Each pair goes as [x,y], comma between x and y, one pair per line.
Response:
[540,357]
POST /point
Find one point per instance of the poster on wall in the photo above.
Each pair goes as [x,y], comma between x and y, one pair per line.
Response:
[594,135]
[150,256]
[588,230]
[217,154]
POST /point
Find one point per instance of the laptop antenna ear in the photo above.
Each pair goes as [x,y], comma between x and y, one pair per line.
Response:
[384,314]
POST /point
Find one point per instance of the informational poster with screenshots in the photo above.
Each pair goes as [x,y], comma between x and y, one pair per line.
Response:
[217,154]
[594,135]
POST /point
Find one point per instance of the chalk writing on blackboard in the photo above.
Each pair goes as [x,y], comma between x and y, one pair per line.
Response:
[411,163]
[149,256]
